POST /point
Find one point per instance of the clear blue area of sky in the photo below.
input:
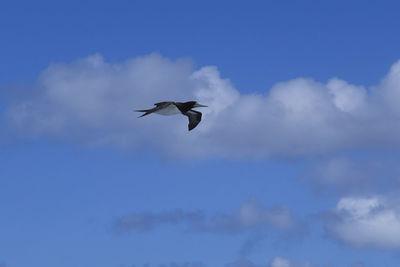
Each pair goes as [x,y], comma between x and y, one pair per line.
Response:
[58,200]
[254,43]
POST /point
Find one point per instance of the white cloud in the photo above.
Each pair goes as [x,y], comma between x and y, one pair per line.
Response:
[91,101]
[346,97]
[366,222]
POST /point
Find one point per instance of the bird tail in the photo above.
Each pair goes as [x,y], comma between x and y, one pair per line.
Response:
[146,112]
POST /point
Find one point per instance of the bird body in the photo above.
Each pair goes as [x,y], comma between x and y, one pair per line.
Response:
[169,109]
[172,108]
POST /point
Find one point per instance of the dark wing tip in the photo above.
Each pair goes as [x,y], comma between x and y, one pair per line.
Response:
[194,118]
[191,126]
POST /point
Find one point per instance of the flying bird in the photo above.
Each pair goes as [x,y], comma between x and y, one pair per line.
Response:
[172,108]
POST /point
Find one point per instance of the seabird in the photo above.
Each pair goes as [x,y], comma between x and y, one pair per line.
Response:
[172,108]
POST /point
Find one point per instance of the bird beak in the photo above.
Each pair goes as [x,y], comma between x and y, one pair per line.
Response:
[197,105]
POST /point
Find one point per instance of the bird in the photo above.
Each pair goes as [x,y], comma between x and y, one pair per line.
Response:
[172,108]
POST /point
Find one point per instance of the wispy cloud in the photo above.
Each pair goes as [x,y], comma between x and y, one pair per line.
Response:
[345,174]
[275,262]
[252,243]
[280,262]
[91,101]
[171,264]
[147,221]
[284,262]
[251,219]
[242,263]
[251,215]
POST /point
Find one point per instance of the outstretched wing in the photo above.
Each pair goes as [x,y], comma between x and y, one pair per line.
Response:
[194,118]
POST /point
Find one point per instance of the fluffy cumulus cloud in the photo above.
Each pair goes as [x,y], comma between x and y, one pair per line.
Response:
[372,222]
[92,101]
[251,215]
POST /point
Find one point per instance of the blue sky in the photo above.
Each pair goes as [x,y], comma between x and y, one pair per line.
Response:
[295,163]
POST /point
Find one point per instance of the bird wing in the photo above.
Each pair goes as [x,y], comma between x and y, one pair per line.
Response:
[146,111]
[194,118]
[157,107]
[162,103]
